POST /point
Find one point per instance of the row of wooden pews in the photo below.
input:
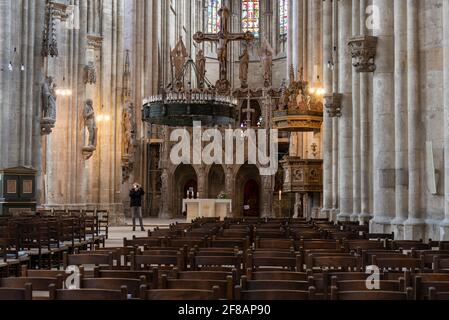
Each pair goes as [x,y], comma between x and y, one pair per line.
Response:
[250,259]
[39,240]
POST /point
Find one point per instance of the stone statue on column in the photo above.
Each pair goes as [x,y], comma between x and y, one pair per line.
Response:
[91,126]
[90,76]
[164,192]
[129,129]
[267,196]
[267,63]
[244,63]
[201,68]
[48,105]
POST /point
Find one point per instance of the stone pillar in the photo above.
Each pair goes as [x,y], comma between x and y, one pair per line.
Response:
[400,107]
[345,122]
[383,121]
[290,35]
[335,87]
[365,109]
[327,126]
[267,197]
[202,181]
[444,226]
[414,226]
[5,74]
[356,175]
[298,19]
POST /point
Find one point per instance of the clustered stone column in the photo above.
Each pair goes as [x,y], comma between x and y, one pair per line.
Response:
[345,122]
[356,173]
[383,121]
[444,226]
[335,129]
[414,226]
[327,126]
[365,109]
[400,93]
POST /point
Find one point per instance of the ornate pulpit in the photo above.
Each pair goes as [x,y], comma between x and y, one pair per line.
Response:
[17,190]
[302,175]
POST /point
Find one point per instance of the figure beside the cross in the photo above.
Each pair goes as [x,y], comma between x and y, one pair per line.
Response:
[223,37]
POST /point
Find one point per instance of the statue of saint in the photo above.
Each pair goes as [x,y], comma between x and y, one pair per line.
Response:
[49,99]
[90,124]
[244,62]
[201,68]
[267,62]
[178,59]
[285,99]
[129,129]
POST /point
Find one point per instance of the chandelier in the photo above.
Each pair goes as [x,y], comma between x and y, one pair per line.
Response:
[181,104]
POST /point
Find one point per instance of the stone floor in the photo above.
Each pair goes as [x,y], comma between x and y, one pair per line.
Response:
[116,234]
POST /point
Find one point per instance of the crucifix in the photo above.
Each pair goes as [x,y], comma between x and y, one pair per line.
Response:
[223,37]
[249,112]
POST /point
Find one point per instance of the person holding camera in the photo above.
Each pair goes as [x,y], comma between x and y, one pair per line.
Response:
[136,194]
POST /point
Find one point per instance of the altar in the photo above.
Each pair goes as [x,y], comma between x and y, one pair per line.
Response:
[207,208]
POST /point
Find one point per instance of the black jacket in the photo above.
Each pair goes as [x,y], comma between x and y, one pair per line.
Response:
[136,197]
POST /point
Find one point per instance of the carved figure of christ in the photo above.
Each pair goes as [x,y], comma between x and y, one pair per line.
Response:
[223,38]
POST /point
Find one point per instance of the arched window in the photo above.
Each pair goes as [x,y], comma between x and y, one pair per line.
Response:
[213,21]
[283,18]
[250,16]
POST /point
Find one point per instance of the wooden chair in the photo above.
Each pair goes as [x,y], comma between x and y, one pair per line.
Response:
[225,291]
[180,294]
[271,295]
[151,277]
[199,275]
[371,295]
[167,262]
[274,263]
[359,245]
[408,245]
[116,284]
[104,260]
[334,262]
[367,255]
[423,281]
[17,294]
[278,275]
[440,264]
[252,285]
[379,236]
[434,294]
[88,294]
[32,273]
[398,263]
[361,285]
[216,263]
[278,244]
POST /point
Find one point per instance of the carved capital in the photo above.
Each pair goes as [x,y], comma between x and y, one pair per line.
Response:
[363,51]
[332,102]
[60,10]
[94,42]
[47,125]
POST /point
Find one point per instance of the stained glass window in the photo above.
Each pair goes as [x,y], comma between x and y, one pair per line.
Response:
[250,16]
[213,21]
[283,18]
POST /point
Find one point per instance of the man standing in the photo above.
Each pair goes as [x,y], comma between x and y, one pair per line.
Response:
[136,194]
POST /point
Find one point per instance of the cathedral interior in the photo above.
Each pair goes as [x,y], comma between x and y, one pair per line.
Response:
[91,92]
